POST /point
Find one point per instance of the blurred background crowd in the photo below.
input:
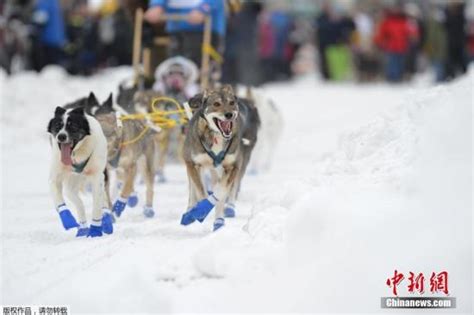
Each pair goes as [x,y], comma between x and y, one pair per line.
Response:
[340,40]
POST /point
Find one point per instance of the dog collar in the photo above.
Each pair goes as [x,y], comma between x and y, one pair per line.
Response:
[78,168]
[216,158]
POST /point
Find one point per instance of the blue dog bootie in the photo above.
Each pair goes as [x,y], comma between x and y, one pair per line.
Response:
[119,206]
[83,229]
[67,219]
[229,210]
[218,223]
[107,221]
[95,229]
[132,200]
[199,211]
[148,212]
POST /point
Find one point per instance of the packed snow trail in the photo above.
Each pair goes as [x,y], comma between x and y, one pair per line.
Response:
[366,179]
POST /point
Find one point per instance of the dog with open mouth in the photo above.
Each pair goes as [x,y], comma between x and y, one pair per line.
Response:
[79,156]
[219,141]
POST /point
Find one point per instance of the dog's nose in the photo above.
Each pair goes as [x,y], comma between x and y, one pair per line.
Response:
[229,115]
[62,137]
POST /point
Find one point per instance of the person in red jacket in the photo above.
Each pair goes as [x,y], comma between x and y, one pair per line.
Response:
[394,35]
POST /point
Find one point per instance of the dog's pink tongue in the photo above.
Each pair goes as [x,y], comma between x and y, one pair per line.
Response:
[66,150]
[226,126]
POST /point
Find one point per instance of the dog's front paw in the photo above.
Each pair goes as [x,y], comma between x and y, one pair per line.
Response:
[199,211]
[95,231]
[148,212]
[229,211]
[218,223]
[132,200]
[107,222]
[119,206]
[67,219]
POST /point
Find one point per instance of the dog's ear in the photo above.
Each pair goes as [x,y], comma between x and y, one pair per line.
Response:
[227,88]
[92,100]
[59,111]
[78,111]
[50,126]
[109,101]
[197,101]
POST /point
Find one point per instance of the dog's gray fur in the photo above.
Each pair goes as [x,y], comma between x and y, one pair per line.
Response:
[203,131]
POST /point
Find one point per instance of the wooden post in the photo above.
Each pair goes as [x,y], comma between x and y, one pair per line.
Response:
[147,62]
[205,71]
[137,42]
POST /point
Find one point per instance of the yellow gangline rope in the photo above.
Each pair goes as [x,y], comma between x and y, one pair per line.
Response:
[158,117]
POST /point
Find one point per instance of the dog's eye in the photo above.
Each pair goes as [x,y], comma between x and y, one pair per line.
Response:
[58,125]
[217,104]
[231,103]
[71,126]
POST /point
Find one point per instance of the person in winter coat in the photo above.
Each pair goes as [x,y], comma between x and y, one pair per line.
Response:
[51,38]
[436,43]
[456,33]
[187,35]
[393,36]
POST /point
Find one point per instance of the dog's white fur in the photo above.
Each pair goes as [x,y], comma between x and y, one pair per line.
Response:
[64,179]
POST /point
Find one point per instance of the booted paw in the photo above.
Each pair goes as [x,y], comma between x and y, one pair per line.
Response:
[107,223]
[229,211]
[187,218]
[82,231]
[67,219]
[132,200]
[199,211]
[119,206]
[95,231]
[148,212]
[218,223]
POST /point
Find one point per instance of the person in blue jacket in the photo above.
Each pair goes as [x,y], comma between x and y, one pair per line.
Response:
[48,17]
[187,35]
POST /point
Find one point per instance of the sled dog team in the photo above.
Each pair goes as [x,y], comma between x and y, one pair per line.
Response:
[87,140]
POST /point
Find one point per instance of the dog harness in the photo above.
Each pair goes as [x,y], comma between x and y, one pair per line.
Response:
[216,158]
[78,168]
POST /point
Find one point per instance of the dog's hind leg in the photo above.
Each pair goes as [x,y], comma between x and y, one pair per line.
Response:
[107,199]
[229,209]
[223,190]
[98,202]
[163,146]
[149,179]
[121,202]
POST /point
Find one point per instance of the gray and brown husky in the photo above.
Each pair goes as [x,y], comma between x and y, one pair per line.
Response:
[127,142]
[219,142]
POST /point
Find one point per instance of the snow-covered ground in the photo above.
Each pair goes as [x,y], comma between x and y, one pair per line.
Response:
[366,179]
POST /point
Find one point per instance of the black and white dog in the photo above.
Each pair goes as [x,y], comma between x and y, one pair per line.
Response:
[79,155]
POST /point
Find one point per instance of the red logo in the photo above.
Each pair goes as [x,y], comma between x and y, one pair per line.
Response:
[416,282]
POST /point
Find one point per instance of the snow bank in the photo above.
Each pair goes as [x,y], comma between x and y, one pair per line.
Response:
[396,194]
